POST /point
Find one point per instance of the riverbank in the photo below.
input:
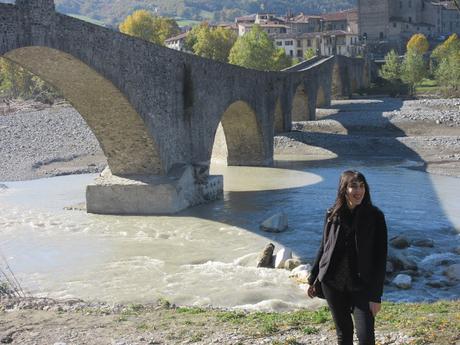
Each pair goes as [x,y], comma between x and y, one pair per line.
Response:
[41,141]
[42,321]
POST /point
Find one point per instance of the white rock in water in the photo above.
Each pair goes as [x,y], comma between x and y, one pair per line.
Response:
[281,256]
[403,281]
[276,223]
[306,267]
[453,272]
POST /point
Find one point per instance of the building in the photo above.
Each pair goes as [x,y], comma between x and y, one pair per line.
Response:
[269,23]
[177,42]
[395,21]
[323,43]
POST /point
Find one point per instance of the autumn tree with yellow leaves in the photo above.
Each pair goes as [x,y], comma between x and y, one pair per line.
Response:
[151,28]
[418,43]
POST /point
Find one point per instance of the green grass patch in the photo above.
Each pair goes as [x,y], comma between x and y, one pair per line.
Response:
[187,22]
[427,85]
[87,19]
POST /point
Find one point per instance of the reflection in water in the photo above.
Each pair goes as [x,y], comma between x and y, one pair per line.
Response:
[206,255]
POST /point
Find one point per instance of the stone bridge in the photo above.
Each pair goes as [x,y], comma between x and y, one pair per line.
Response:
[155,111]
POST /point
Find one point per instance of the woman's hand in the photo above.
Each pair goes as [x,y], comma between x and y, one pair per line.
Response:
[311,292]
[375,308]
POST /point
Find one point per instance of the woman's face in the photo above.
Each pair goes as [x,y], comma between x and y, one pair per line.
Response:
[355,193]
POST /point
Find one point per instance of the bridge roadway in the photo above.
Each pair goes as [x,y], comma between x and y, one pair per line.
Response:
[155,111]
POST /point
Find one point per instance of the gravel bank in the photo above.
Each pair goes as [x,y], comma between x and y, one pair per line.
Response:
[40,141]
[424,131]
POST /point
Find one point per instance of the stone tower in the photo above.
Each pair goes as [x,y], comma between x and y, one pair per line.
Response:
[374,19]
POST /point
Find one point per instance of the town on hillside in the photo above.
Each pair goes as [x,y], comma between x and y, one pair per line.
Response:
[373,27]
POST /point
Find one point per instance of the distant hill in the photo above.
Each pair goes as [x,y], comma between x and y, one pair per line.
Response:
[112,12]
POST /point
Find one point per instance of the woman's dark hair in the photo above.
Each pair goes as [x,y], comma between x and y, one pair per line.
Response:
[347,177]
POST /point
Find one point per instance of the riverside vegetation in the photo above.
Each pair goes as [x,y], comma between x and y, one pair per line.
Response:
[44,321]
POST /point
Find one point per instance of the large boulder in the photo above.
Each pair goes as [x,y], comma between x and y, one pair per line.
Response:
[282,256]
[265,258]
[400,261]
[453,272]
[423,242]
[403,281]
[399,242]
[276,223]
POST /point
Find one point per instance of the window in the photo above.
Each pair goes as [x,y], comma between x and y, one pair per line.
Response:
[299,53]
[299,43]
[400,4]
[410,4]
[381,36]
[394,24]
[308,43]
[279,43]
[291,53]
[288,43]
[410,19]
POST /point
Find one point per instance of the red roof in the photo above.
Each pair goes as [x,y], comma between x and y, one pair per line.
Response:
[342,15]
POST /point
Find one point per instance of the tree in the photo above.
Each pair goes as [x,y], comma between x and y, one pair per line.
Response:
[309,53]
[391,70]
[256,50]
[151,28]
[413,69]
[418,43]
[139,24]
[448,73]
[211,42]
[442,50]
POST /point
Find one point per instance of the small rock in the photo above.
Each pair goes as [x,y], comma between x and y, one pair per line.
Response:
[403,281]
[276,223]
[423,243]
[400,262]
[453,272]
[436,283]
[457,250]
[399,242]
[265,258]
[281,257]
[306,267]
[290,264]
[3,186]
[7,339]
[390,268]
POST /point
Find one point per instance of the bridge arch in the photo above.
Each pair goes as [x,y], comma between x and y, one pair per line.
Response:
[121,132]
[300,108]
[243,135]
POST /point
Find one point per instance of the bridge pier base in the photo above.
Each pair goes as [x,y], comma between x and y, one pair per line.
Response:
[141,194]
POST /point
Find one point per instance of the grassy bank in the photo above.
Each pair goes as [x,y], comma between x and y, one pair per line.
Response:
[427,323]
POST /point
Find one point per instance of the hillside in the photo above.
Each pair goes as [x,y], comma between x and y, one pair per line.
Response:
[112,12]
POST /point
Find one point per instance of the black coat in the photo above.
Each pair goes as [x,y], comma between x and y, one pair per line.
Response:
[371,249]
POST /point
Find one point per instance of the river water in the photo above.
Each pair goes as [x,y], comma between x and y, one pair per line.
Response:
[206,255]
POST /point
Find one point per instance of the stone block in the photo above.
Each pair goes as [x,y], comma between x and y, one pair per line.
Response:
[111,194]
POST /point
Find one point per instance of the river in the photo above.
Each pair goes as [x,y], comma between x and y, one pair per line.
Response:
[207,255]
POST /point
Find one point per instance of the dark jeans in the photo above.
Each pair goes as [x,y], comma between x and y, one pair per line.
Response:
[342,305]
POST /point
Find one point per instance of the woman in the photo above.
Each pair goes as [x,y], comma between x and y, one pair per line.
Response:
[351,261]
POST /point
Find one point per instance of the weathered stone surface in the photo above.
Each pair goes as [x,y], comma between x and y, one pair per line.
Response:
[423,242]
[265,258]
[453,272]
[281,256]
[403,281]
[150,194]
[399,242]
[276,223]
